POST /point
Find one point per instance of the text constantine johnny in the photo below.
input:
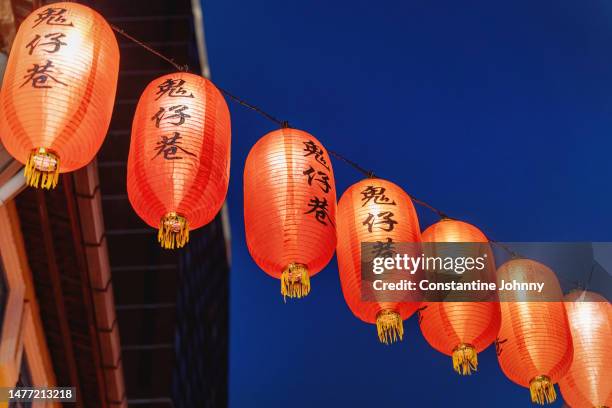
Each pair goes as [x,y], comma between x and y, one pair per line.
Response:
[425,285]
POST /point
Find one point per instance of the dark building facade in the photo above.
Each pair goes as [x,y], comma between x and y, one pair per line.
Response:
[202,307]
[104,308]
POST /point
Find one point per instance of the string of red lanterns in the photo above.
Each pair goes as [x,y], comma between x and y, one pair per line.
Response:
[62,76]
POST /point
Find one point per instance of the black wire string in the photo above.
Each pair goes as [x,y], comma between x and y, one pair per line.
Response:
[588,281]
[370,174]
[285,124]
[282,123]
[506,248]
[182,68]
[367,173]
[185,68]
[430,207]
[440,213]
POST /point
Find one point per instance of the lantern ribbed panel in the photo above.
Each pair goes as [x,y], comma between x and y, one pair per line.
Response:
[352,212]
[66,107]
[280,229]
[446,325]
[588,382]
[534,338]
[187,175]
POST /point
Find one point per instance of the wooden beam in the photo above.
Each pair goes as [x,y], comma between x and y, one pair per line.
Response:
[79,247]
[58,295]
[35,341]
[93,237]
[11,344]
[36,354]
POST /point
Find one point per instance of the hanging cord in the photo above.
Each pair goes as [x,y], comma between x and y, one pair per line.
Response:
[585,284]
[285,124]
[185,68]
[506,248]
[440,213]
[367,173]
[370,174]
[182,68]
[282,123]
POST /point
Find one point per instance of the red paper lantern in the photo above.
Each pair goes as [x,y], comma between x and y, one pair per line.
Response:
[460,329]
[534,342]
[58,91]
[290,208]
[178,166]
[588,382]
[374,210]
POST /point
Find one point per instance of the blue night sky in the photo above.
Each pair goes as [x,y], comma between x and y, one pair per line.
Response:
[499,113]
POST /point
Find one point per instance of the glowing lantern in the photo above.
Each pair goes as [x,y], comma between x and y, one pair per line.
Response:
[178,167]
[534,344]
[588,382]
[290,208]
[460,329]
[374,210]
[58,91]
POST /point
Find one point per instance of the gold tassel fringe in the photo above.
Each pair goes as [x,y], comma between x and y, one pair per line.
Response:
[42,169]
[173,231]
[390,326]
[465,359]
[542,390]
[295,281]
